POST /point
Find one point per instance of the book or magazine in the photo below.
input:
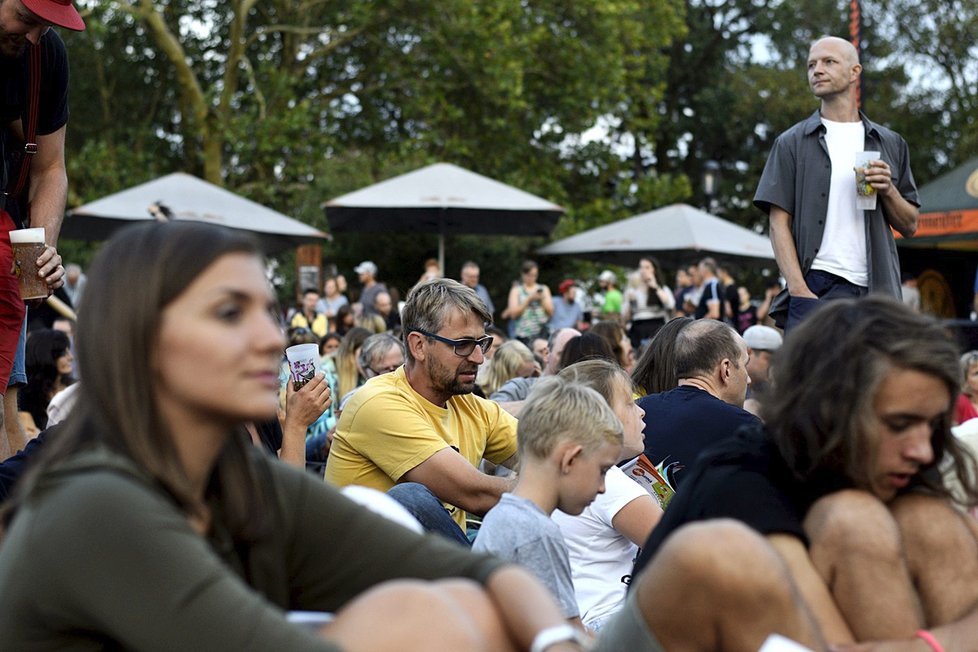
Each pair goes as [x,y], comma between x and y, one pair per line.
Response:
[778,643]
[651,478]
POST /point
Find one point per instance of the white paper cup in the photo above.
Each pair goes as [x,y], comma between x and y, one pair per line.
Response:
[28,245]
[302,362]
[865,193]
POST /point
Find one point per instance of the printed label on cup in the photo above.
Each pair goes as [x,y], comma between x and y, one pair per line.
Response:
[865,193]
[302,363]
[28,245]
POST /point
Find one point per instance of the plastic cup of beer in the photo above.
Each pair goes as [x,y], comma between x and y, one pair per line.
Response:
[302,363]
[865,193]
[28,245]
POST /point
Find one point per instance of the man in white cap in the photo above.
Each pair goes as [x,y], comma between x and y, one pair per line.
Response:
[762,342]
[367,271]
[33,179]
[609,298]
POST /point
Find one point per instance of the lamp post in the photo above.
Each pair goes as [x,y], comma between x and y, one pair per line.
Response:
[711,181]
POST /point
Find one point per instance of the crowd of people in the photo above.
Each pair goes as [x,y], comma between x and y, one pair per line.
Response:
[638,468]
[533,493]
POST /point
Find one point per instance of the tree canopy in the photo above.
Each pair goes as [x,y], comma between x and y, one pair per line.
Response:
[608,107]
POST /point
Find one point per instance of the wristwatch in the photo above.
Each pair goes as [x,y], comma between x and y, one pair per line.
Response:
[559,634]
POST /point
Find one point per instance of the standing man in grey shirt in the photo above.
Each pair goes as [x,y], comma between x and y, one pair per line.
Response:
[367,271]
[470,277]
[825,247]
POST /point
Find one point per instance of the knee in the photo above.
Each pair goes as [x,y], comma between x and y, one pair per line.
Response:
[929,523]
[724,557]
[853,522]
[413,494]
[405,606]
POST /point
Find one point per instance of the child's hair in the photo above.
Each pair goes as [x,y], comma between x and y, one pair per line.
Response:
[504,364]
[604,377]
[560,410]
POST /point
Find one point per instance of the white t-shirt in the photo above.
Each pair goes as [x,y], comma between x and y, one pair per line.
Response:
[601,558]
[843,249]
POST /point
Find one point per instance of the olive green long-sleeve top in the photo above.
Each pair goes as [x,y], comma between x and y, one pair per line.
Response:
[100,558]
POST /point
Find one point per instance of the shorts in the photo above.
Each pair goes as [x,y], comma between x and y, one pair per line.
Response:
[627,630]
[12,310]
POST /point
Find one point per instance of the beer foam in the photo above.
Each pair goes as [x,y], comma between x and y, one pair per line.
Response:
[27,236]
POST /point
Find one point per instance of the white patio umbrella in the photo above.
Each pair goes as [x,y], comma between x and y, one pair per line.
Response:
[442,198]
[180,196]
[670,234]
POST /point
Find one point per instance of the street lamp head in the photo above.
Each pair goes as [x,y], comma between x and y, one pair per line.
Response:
[711,178]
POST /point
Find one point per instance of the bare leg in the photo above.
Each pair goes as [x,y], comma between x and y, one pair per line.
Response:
[719,586]
[857,550]
[413,615]
[942,555]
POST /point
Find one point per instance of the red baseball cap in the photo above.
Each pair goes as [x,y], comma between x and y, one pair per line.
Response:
[566,285]
[57,12]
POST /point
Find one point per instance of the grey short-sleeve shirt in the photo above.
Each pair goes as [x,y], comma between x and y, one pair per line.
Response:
[796,178]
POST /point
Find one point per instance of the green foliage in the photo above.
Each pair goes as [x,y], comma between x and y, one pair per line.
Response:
[607,107]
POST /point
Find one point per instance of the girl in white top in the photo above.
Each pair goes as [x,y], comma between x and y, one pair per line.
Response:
[604,540]
[648,303]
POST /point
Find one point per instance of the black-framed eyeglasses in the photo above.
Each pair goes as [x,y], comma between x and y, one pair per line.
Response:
[463,347]
[385,370]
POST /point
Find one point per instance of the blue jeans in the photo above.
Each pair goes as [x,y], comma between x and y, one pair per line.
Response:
[18,375]
[425,506]
[826,287]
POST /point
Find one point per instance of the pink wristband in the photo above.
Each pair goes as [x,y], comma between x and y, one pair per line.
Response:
[929,639]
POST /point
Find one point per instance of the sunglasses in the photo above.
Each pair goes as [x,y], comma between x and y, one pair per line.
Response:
[463,347]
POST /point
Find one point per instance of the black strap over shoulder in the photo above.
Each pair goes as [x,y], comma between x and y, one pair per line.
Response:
[30,127]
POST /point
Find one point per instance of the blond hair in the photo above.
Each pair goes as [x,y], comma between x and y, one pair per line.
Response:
[504,364]
[604,377]
[560,410]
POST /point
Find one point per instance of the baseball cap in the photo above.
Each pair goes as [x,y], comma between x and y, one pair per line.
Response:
[57,12]
[366,267]
[607,276]
[762,338]
[564,286]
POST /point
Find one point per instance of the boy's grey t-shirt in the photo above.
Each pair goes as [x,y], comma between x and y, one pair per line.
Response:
[517,530]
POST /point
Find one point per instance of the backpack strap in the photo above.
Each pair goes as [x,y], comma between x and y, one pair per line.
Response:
[30,129]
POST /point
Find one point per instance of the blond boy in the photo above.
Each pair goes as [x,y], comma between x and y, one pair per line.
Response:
[568,438]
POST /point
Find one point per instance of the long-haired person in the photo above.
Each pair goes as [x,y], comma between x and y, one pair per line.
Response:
[49,366]
[655,370]
[152,523]
[348,374]
[512,360]
[648,302]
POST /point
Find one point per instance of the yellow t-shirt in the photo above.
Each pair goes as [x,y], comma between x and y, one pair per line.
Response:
[387,429]
[319,325]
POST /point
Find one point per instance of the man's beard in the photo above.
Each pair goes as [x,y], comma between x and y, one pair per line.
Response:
[446,380]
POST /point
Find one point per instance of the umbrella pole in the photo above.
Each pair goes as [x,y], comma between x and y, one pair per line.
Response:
[441,240]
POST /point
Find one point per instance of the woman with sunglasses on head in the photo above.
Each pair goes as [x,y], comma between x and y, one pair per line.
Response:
[530,304]
[152,523]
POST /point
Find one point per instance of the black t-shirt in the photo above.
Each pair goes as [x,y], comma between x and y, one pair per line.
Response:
[731,295]
[745,319]
[14,103]
[712,291]
[744,478]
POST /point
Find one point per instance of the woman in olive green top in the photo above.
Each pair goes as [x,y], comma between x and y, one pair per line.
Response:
[151,523]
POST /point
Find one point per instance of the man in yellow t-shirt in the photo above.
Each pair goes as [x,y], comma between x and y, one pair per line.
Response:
[419,432]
